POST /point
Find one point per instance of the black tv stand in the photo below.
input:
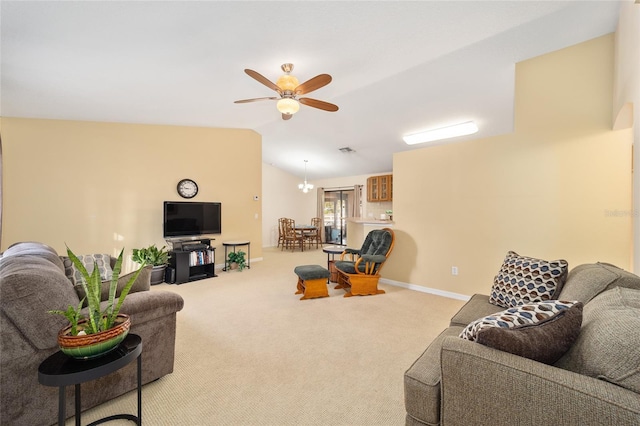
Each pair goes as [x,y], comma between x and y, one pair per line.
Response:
[193,260]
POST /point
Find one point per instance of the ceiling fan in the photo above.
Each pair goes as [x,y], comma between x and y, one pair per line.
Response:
[289,89]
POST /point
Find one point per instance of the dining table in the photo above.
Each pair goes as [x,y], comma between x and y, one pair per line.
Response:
[305,231]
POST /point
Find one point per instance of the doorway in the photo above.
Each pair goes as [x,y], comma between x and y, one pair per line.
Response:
[336,207]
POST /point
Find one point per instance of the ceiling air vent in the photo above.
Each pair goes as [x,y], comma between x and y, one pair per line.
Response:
[347,150]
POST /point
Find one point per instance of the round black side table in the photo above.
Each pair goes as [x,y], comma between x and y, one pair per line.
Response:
[235,244]
[331,252]
[60,370]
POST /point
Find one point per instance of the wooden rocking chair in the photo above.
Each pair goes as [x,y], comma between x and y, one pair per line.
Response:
[359,270]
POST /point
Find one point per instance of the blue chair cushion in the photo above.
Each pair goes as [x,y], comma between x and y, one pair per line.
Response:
[378,241]
[311,272]
[350,267]
[347,266]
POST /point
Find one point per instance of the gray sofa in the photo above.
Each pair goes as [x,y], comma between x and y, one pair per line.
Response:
[33,281]
[596,382]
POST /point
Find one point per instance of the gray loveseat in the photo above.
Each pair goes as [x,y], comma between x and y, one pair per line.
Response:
[33,281]
[596,382]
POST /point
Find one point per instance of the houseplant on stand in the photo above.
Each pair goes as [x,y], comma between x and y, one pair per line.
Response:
[237,260]
[152,255]
[102,330]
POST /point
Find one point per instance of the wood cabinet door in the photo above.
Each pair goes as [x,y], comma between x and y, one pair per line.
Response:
[372,189]
[384,188]
[380,188]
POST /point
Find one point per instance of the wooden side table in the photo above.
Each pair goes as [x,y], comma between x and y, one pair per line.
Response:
[61,370]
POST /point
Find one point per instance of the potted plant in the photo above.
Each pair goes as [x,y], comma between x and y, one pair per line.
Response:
[152,255]
[237,260]
[102,330]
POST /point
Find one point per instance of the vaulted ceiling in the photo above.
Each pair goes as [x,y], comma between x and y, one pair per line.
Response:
[397,66]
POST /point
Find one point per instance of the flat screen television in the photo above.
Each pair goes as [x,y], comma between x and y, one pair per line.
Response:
[188,218]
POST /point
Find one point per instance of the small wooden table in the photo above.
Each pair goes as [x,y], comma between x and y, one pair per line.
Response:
[61,370]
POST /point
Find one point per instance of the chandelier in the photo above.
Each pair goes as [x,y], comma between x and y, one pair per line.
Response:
[305,187]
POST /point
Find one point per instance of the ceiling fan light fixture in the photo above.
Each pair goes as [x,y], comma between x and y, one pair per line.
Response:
[288,106]
[287,82]
[462,129]
[289,88]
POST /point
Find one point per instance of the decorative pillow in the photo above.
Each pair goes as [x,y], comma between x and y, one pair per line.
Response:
[141,284]
[101,260]
[607,347]
[524,279]
[585,282]
[542,331]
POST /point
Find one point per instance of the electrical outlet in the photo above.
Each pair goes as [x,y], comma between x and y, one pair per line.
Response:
[454,270]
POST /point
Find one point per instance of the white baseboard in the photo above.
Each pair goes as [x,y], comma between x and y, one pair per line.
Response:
[253,259]
[429,290]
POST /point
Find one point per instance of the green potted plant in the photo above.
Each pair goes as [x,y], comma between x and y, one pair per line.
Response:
[157,257]
[102,330]
[237,258]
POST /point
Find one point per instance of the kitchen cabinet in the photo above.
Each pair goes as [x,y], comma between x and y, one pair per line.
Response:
[380,188]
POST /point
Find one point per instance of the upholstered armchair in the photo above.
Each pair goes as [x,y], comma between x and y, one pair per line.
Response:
[33,281]
[359,270]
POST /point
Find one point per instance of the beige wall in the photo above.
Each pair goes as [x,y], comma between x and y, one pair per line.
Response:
[552,189]
[626,103]
[99,187]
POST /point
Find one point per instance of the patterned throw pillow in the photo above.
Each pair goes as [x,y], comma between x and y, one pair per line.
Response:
[542,331]
[89,260]
[524,279]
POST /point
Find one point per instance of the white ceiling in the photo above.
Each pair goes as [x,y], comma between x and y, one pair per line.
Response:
[397,66]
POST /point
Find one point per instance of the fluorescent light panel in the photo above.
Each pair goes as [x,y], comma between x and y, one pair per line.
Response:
[461,129]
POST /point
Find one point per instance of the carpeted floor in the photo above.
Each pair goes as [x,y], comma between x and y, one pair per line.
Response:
[249,352]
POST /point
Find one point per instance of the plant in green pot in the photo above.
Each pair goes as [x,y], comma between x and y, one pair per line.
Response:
[237,260]
[101,330]
[158,257]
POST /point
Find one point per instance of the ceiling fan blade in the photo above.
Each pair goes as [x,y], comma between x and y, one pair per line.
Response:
[313,84]
[244,101]
[287,116]
[262,79]
[318,104]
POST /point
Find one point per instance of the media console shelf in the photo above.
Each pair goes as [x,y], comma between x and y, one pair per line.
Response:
[193,260]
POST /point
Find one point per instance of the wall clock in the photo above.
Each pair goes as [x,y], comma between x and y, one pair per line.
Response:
[187,188]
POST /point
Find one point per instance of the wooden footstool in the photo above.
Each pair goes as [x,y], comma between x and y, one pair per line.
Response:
[312,281]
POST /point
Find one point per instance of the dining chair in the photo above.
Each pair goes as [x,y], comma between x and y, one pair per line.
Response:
[291,236]
[281,231]
[315,235]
